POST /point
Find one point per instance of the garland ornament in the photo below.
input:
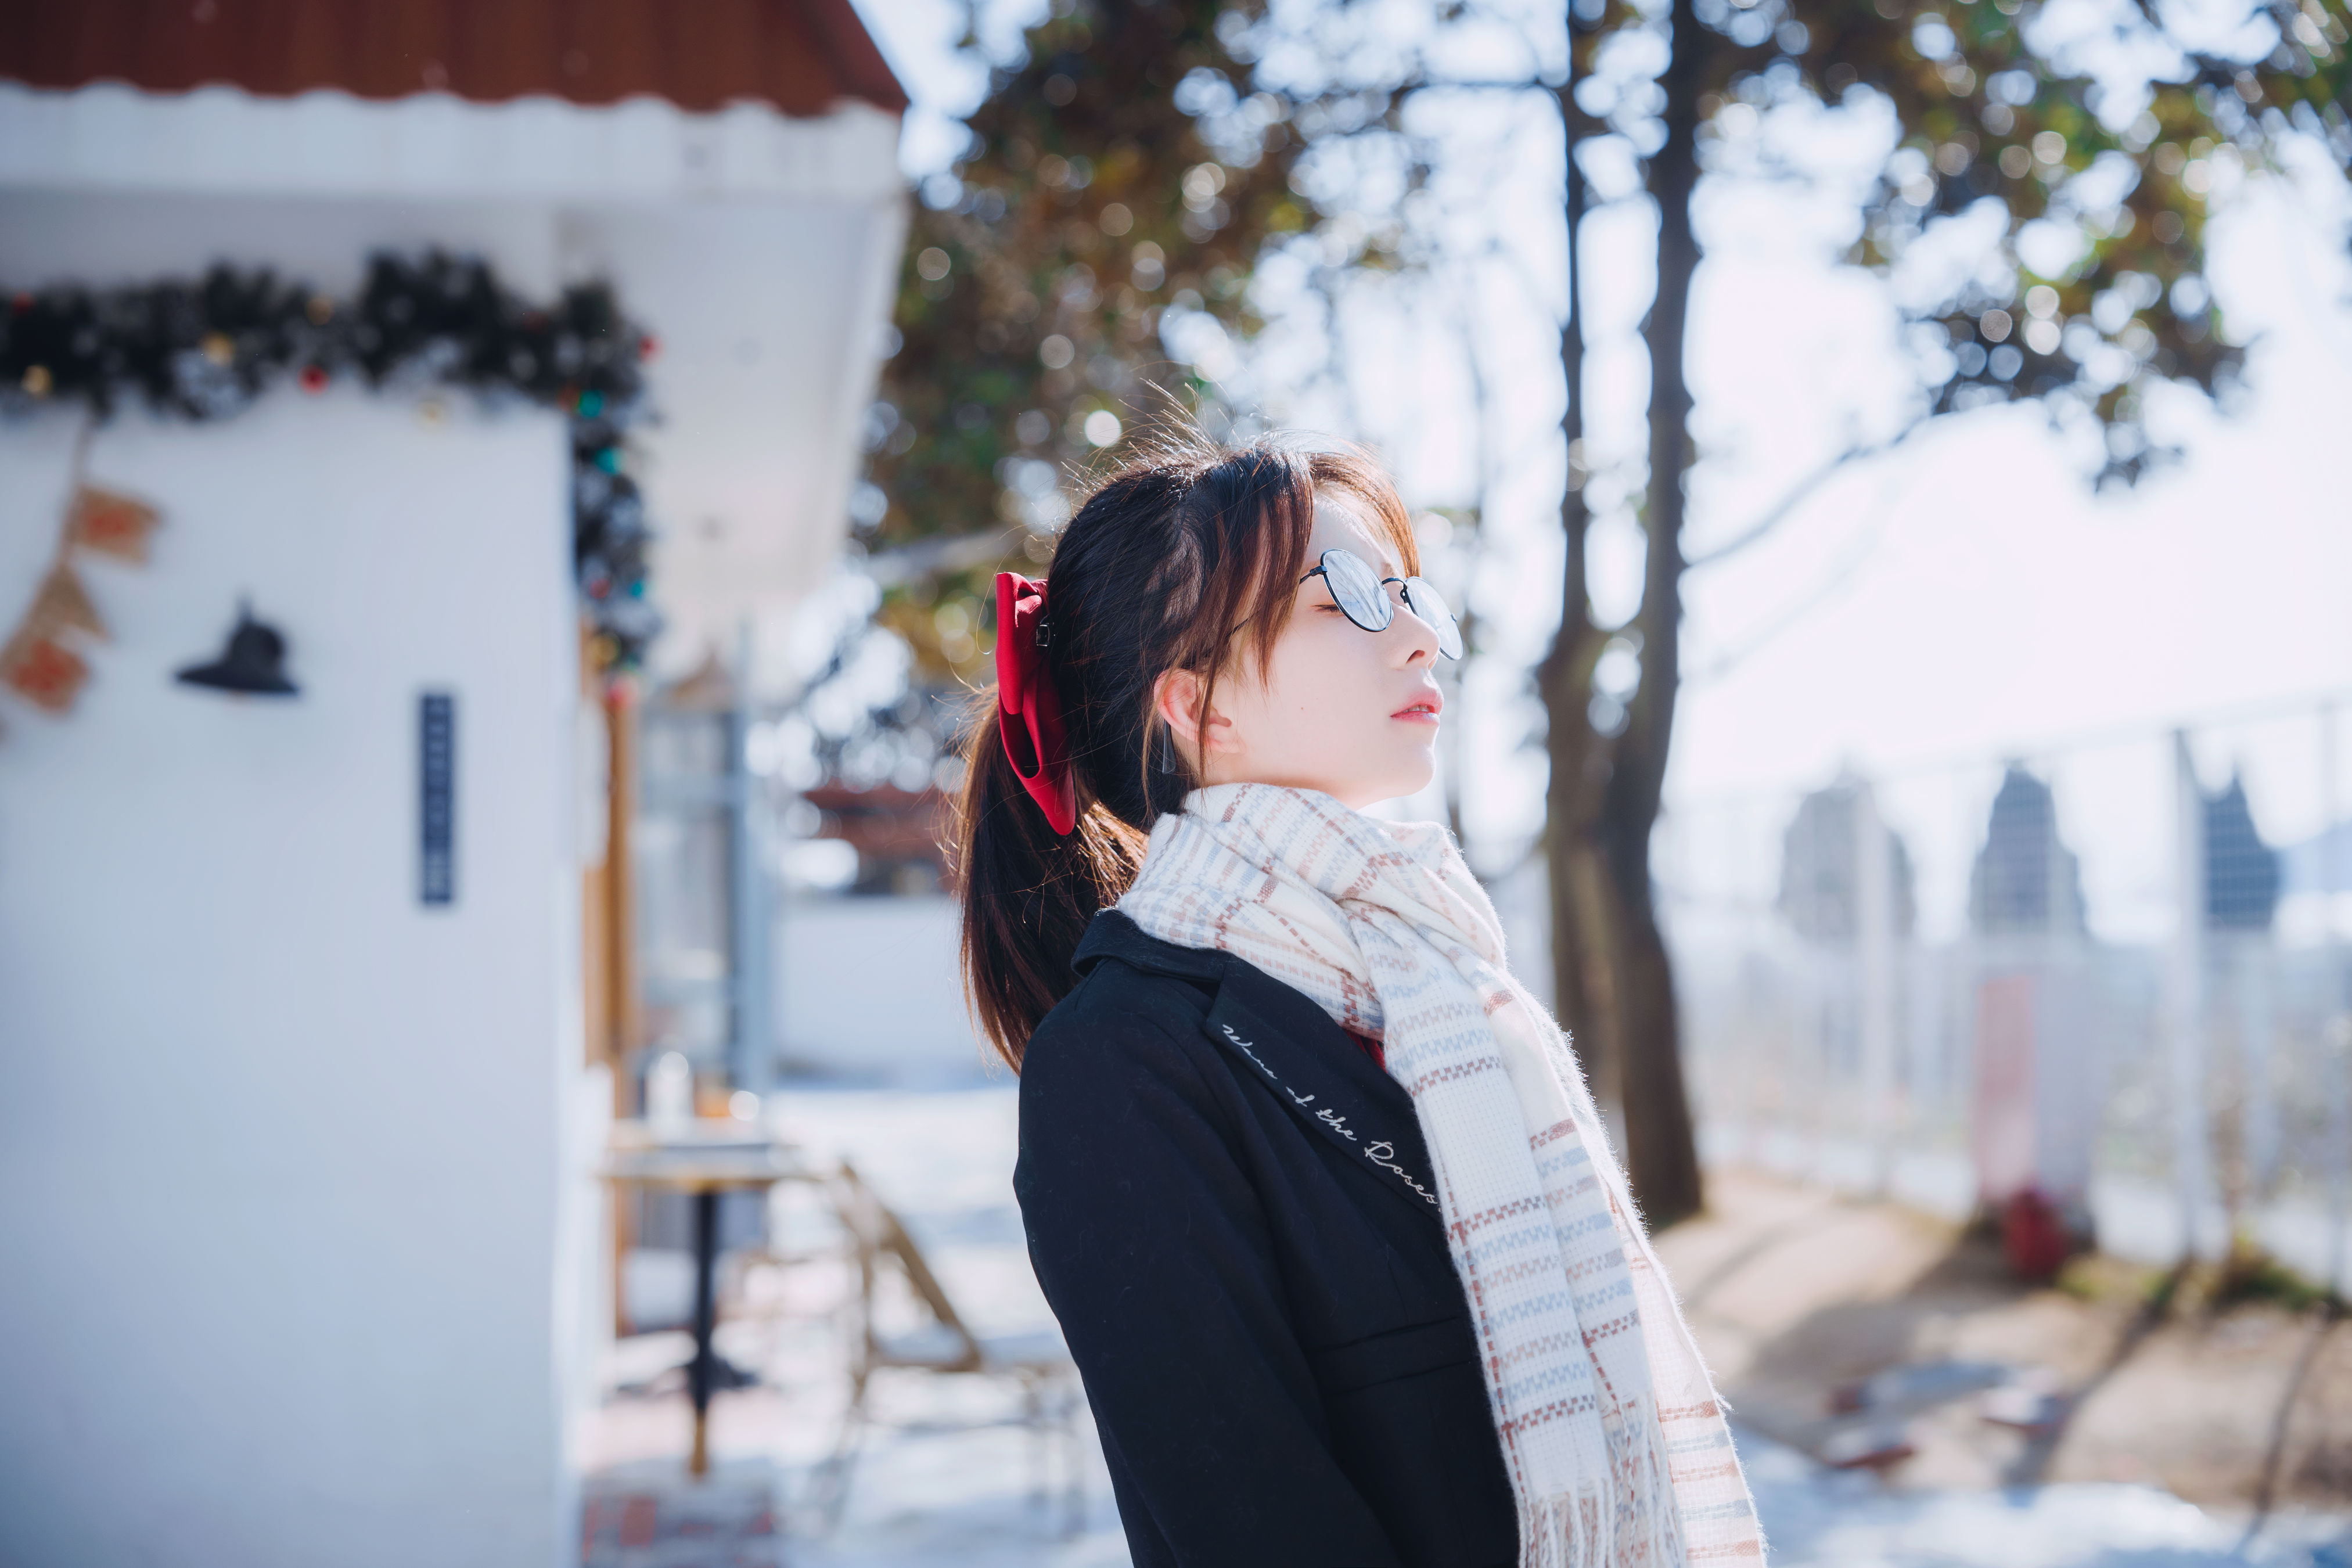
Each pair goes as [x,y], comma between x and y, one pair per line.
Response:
[254,665]
[204,350]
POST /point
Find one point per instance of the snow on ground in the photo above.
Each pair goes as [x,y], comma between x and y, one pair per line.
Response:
[944,1161]
[932,1499]
[1813,1516]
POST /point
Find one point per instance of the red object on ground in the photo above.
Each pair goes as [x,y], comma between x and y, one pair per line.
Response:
[1875,1446]
[2033,1238]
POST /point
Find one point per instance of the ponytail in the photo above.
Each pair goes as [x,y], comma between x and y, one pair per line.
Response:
[1028,891]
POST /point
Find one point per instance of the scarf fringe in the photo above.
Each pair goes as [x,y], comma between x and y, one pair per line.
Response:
[1643,1530]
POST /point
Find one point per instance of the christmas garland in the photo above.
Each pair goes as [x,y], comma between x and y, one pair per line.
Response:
[206,350]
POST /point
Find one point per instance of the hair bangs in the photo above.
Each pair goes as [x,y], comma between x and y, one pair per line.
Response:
[1352,473]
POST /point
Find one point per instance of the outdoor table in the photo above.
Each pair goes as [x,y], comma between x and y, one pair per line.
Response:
[703,1161]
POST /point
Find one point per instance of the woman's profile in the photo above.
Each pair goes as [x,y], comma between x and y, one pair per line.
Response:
[1314,1186]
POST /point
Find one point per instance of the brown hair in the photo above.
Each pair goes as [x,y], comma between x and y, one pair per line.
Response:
[1166,561]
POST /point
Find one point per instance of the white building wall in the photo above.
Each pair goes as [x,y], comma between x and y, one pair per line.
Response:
[870,989]
[280,1149]
[299,1260]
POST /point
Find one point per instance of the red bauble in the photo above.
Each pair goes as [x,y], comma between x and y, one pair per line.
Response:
[313,378]
[648,346]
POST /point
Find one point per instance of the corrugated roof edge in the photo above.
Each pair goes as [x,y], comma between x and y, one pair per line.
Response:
[802,57]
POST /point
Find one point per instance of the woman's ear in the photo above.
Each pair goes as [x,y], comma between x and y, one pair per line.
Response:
[1177,701]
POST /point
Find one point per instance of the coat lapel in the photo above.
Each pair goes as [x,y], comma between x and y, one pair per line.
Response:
[1292,1045]
[1326,1082]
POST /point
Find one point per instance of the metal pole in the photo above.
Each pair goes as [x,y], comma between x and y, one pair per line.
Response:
[2186,994]
[2258,1109]
[2338,1034]
[1874,945]
[2057,888]
[2339,1140]
[754,1040]
[701,1372]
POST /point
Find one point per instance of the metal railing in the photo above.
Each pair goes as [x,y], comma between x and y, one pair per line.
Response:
[2116,969]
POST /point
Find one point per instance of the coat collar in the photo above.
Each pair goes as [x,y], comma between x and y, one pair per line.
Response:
[1285,1040]
[1112,934]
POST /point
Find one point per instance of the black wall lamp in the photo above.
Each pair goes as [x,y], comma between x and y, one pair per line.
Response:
[254,664]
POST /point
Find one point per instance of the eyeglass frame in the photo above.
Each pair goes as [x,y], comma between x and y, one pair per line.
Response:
[1404,585]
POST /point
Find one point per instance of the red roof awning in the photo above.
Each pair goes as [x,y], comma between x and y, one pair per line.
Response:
[801,55]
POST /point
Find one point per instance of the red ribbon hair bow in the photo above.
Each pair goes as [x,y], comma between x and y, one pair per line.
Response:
[1031,724]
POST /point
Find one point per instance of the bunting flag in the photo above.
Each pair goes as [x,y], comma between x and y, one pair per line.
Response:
[39,661]
[63,604]
[113,524]
[42,670]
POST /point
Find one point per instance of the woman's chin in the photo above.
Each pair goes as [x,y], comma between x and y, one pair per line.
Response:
[1411,778]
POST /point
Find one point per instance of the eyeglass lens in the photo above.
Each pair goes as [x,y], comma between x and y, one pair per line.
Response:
[1430,605]
[1361,594]
[1356,589]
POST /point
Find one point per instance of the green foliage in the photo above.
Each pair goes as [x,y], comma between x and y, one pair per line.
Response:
[1991,106]
[2251,1274]
[1986,117]
[1119,173]
[2100,1278]
[2201,1288]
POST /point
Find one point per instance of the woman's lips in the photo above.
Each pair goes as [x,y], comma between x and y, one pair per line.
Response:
[1421,709]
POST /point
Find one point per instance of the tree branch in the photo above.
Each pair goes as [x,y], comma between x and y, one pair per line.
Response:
[1828,587]
[1802,490]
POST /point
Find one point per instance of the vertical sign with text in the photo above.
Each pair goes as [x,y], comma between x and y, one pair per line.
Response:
[437,774]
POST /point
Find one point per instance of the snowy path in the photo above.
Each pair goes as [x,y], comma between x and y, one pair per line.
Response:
[962,1500]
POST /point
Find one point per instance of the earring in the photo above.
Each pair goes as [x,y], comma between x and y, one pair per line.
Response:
[1167,750]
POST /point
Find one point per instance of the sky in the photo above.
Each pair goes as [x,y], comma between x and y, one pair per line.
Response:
[1924,616]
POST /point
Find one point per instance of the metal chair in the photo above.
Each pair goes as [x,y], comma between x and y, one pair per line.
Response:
[942,1346]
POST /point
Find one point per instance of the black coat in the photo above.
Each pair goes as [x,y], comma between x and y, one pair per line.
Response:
[1229,1207]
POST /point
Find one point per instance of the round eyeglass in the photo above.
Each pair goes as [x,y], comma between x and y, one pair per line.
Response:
[1361,594]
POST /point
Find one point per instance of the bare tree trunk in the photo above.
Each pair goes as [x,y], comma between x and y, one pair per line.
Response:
[1613,979]
[1661,1155]
[1577,755]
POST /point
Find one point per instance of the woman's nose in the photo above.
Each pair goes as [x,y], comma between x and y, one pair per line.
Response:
[1415,635]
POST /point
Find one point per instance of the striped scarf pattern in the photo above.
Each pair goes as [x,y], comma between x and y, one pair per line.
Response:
[1615,1440]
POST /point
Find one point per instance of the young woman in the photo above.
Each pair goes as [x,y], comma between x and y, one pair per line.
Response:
[1314,1186]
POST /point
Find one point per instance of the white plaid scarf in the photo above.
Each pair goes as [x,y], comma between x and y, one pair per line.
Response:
[1614,1437]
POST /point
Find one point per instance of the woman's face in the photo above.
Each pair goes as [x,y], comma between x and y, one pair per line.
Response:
[1337,708]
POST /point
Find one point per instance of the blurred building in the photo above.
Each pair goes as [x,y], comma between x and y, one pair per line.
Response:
[2241,873]
[2024,880]
[900,834]
[304,1259]
[1821,868]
